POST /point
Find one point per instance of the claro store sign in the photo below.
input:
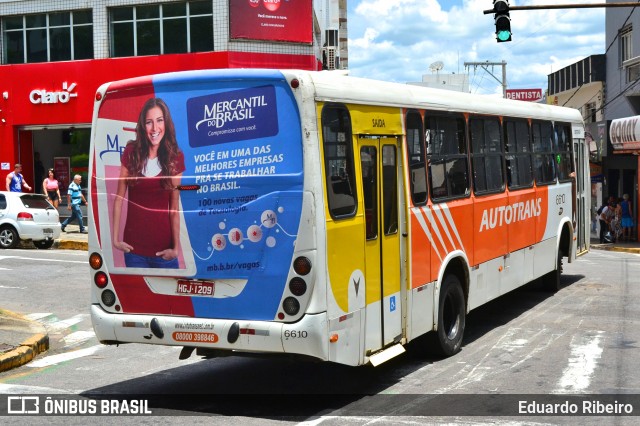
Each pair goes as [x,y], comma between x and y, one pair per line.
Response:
[44,96]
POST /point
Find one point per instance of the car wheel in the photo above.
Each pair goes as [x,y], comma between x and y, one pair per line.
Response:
[8,237]
[43,244]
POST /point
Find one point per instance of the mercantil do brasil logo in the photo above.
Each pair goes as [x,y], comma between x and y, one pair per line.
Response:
[220,113]
[232,116]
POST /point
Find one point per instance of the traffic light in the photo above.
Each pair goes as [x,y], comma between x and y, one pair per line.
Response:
[502,20]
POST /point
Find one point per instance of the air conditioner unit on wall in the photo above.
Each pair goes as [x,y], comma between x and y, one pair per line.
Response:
[331,38]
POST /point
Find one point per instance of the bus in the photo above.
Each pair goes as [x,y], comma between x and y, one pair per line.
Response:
[253,211]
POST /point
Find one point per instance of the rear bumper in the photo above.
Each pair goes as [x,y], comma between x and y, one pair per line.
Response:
[308,336]
[36,231]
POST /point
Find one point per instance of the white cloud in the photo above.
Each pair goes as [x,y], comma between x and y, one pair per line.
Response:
[397,40]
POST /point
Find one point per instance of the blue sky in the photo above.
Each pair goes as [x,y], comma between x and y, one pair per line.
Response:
[397,40]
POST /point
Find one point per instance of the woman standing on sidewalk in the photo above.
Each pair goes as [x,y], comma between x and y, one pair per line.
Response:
[51,188]
[627,218]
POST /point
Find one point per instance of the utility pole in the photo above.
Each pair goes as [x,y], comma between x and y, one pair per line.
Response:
[485,66]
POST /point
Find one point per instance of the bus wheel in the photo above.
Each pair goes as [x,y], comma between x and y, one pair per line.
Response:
[551,281]
[451,317]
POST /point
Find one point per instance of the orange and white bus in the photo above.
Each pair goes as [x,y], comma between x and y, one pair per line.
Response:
[312,213]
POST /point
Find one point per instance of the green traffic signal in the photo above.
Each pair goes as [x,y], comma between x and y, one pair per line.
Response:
[504,35]
[502,20]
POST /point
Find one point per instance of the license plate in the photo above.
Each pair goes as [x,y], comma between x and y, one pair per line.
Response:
[196,288]
[48,232]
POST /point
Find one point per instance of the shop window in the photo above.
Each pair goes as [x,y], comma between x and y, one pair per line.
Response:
[51,37]
[447,156]
[486,155]
[161,29]
[543,152]
[338,161]
[518,154]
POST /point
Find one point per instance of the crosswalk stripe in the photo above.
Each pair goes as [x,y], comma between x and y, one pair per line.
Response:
[78,337]
[68,356]
[38,316]
[66,323]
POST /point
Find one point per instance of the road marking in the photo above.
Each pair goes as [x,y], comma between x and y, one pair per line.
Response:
[38,259]
[583,360]
[64,324]
[78,337]
[57,359]
[38,316]
[5,286]
[25,389]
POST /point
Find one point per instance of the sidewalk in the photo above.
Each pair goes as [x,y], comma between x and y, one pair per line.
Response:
[621,246]
[21,340]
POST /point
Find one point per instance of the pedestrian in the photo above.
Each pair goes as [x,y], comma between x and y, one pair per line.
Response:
[51,188]
[602,218]
[151,170]
[75,198]
[15,180]
[607,215]
[627,218]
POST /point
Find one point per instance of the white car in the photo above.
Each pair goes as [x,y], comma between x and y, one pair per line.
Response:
[25,216]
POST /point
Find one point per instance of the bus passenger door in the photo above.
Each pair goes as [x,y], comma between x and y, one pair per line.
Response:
[380,159]
[581,189]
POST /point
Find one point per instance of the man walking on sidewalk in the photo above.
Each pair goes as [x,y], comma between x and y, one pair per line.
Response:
[74,199]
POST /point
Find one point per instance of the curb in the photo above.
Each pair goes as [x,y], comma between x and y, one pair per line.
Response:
[72,245]
[26,351]
[633,250]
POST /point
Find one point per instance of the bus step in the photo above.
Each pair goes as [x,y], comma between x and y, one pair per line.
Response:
[386,354]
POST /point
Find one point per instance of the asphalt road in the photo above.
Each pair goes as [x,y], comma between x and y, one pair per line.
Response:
[527,345]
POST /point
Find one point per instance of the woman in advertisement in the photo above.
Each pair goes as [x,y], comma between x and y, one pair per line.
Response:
[151,169]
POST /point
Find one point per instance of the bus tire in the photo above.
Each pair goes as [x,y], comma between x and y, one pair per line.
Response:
[451,317]
[551,281]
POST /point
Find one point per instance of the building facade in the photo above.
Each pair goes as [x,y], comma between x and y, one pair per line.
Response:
[55,54]
[621,163]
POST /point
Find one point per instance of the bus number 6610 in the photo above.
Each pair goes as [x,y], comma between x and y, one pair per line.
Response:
[295,334]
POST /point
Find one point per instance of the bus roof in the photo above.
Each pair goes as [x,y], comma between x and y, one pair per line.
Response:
[335,86]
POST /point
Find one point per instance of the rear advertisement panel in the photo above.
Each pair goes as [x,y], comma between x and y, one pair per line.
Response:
[273,20]
[232,173]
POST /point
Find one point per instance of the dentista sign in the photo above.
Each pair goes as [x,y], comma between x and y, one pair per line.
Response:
[44,96]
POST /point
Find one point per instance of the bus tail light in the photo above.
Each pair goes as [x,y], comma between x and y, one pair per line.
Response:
[108,298]
[95,261]
[297,286]
[101,279]
[291,306]
[302,265]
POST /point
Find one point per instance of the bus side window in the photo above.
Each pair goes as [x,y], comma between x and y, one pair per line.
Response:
[543,157]
[338,161]
[486,154]
[518,154]
[562,151]
[447,156]
[417,158]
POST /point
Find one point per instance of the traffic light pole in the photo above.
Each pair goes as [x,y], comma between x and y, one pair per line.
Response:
[566,6]
[484,65]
